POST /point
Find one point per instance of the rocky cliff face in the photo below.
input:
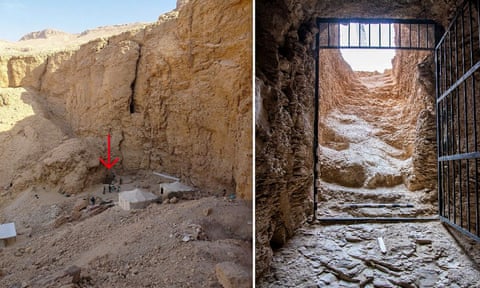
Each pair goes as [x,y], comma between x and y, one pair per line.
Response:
[284,105]
[175,95]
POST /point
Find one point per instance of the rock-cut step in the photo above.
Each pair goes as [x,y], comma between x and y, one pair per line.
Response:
[393,202]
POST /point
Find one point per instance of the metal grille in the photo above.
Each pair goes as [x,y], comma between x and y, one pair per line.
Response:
[457,59]
[362,33]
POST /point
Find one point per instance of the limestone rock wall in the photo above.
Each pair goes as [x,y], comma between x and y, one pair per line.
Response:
[175,96]
[418,137]
[284,126]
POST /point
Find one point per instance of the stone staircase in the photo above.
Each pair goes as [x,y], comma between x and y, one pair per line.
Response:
[363,164]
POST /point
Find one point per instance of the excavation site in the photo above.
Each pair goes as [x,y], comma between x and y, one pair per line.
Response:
[367,178]
[126,153]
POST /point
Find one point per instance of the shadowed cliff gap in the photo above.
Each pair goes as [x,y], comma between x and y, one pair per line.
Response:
[285,81]
[133,86]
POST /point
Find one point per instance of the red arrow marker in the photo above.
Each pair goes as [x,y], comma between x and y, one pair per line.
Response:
[109,164]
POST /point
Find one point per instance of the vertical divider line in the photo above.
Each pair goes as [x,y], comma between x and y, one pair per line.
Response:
[369,35]
[389,34]
[418,35]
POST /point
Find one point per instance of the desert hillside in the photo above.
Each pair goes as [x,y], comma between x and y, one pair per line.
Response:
[175,96]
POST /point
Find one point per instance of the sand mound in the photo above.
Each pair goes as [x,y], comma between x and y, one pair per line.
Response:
[45,34]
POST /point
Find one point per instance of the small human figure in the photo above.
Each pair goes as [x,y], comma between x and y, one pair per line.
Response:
[103,189]
[92,200]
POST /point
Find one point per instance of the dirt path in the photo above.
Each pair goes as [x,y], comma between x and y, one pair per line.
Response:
[164,245]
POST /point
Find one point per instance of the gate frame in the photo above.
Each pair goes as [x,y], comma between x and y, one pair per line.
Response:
[317,47]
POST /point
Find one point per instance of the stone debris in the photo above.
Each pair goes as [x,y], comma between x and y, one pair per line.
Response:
[207,212]
[423,241]
[320,256]
[231,275]
[74,271]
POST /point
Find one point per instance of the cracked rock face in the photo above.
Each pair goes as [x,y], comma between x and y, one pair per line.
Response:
[175,95]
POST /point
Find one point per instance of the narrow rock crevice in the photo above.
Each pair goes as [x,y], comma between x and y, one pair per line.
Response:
[40,81]
[134,82]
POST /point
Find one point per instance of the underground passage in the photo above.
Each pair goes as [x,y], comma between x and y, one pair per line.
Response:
[367,178]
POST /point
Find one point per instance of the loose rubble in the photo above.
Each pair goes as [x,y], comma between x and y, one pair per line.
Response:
[418,255]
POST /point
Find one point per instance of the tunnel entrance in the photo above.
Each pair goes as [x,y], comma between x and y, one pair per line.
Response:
[363,164]
[352,132]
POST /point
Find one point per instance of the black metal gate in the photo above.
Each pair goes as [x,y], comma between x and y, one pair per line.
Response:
[457,59]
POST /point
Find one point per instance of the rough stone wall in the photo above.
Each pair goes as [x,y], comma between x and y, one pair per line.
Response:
[176,96]
[415,79]
[284,122]
[336,80]
[284,133]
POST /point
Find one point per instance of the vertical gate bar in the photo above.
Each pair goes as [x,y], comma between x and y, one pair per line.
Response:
[446,65]
[328,34]
[438,118]
[446,129]
[359,34]
[410,35]
[389,34]
[445,52]
[450,96]
[477,220]
[380,34]
[399,35]
[349,34]
[456,53]
[458,135]
[315,124]
[463,45]
[451,135]
[477,214]
[457,94]
[469,224]
[450,65]
[369,36]
[465,108]
[428,32]
[465,100]
[471,33]
[478,21]
[418,35]
[475,139]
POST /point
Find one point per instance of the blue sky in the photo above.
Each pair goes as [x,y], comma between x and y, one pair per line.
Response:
[19,17]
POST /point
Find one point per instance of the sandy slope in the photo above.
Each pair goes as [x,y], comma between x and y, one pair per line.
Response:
[117,248]
[58,41]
